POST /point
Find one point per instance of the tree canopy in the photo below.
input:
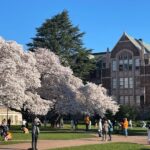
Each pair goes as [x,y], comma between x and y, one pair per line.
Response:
[37,83]
[60,36]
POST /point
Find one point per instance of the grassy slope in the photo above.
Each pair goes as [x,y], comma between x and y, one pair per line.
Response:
[110,146]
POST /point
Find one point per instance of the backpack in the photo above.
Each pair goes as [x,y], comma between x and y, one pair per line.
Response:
[110,127]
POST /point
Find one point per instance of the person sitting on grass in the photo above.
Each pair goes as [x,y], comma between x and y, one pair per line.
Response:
[25,130]
[8,136]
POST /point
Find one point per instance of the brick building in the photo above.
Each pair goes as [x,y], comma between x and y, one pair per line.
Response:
[125,71]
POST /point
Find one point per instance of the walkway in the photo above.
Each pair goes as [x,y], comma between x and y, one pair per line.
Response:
[50,144]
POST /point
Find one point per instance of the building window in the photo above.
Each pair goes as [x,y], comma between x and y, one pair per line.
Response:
[130,64]
[120,65]
[121,99]
[126,64]
[126,85]
[114,65]
[130,82]
[121,83]
[114,83]
[146,61]
[138,100]
[131,99]
[126,99]
[125,61]
[137,63]
[103,65]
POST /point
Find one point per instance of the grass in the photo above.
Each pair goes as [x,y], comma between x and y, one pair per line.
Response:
[138,131]
[12,142]
[48,133]
[110,146]
[66,133]
[21,137]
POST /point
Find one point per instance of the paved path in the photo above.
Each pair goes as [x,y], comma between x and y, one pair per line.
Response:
[50,144]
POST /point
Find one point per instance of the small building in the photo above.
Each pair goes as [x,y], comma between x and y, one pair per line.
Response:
[125,71]
[16,117]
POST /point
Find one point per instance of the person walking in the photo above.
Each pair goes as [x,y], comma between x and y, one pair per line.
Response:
[130,123]
[125,126]
[105,130]
[100,128]
[110,130]
[35,132]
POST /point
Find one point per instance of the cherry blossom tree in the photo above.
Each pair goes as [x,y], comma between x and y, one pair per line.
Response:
[58,82]
[69,93]
[37,83]
[19,78]
[95,99]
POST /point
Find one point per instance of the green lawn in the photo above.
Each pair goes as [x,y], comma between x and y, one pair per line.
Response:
[21,137]
[110,146]
[137,131]
[60,134]
[12,142]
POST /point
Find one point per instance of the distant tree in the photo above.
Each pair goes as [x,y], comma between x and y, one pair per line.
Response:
[60,36]
[128,112]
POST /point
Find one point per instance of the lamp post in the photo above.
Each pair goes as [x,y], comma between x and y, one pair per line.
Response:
[7,113]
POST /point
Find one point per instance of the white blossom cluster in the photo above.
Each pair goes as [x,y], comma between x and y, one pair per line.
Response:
[38,83]
[18,79]
[95,99]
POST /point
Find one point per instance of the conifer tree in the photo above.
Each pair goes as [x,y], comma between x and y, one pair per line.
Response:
[60,36]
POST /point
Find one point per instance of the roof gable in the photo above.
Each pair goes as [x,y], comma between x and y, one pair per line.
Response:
[126,42]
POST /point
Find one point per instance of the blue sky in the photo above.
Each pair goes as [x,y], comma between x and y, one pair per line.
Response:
[104,21]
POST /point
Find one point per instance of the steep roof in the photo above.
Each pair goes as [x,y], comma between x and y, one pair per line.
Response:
[132,40]
[146,46]
[138,43]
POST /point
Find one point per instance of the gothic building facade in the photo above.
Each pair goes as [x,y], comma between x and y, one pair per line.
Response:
[125,71]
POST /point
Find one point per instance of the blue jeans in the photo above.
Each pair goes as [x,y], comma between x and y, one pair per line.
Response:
[126,132]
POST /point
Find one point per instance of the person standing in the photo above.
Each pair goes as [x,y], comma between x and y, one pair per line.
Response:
[125,126]
[9,123]
[4,128]
[100,128]
[148,132]
[110,129]
[105,130]
[35,132]
[144,124]
[90,124]
[72,124]
[24,123]
[61,122]
[87,122]
[130,123]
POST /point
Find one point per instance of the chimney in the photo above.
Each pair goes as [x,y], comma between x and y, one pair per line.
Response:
[107,50]
[107,58]
[141,40]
